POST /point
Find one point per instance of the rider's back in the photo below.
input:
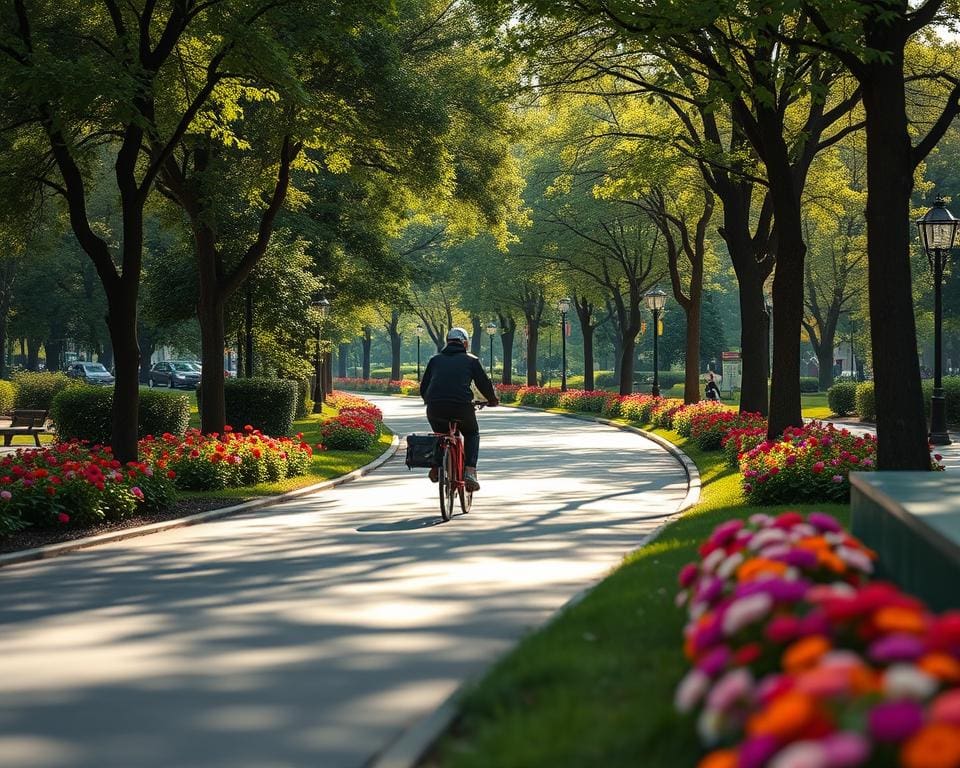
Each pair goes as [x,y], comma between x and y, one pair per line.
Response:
[449,374]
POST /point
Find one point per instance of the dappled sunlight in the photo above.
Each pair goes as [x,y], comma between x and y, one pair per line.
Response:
[329,622]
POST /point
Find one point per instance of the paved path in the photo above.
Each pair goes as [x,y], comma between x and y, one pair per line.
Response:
[950,454]
[314,632]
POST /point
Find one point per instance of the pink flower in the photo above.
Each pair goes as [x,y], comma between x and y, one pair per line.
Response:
[895,720]
[745,611]
[735,686]
[691,690]
[63,517]
[946,707]
[845,749]
[6,495]
[837,478]
[801,754]
[688,574]
[817,468]
[137,492]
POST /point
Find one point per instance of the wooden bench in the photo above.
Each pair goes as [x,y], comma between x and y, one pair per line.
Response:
[25,421]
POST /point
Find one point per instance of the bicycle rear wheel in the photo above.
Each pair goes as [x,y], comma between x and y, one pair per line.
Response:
[448,484]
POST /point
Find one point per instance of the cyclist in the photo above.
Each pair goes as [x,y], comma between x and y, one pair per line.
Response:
[445,388]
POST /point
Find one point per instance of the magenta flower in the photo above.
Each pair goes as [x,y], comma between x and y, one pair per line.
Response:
[688,574]
[714,662]
[846,749]
[756,751]
[6,495]
[895,720]
[824,522]
[137,492]
[837,478]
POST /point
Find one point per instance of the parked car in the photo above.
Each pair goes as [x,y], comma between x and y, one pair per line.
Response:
[173,373]
[90,373]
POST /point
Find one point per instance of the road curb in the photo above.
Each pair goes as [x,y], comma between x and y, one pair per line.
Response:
[412,744]
[54,550]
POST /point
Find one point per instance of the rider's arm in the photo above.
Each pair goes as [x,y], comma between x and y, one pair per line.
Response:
[425,379]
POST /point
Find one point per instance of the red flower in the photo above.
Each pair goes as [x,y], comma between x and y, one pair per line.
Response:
[63,517]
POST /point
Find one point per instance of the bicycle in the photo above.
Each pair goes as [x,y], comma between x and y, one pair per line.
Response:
[450,471]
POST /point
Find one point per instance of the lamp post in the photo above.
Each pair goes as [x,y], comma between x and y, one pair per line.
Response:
[938,231]
[768,307]
[564,306]
[322,307]
[419,333]
[655,300]
[491,331]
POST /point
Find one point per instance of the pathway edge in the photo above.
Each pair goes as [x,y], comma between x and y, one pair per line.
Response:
[54,550]
[407,749]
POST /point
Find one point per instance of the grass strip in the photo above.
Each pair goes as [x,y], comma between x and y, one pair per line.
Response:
[595,686]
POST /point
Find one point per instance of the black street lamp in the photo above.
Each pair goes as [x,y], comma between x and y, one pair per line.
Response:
[938,231]
[322,307]
[655,300]
[564,306]
[491,331]
[419,333]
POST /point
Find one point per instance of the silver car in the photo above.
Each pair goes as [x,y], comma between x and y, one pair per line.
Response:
[90,373]
[173,373]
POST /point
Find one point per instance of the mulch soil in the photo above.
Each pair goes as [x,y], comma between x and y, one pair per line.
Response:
[30,538]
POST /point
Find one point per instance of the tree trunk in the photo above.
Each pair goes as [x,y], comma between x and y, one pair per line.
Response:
[476,340]
[366,341]
[901,425]
[213,415]
[691,380]
[628,348]
[342,351]
[508,331]
[147,346]
[327,372]
[247,327]
[585,315]
[122,323]
[533,335]
[393,331]
[825,361]
[33,353]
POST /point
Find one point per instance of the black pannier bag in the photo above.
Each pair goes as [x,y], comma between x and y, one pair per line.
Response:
[423,450]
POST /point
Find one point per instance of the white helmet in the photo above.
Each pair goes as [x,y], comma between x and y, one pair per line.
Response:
[458,334]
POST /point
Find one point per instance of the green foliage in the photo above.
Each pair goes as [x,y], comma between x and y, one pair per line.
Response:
[8,395]
[841,397]
[37,390]
[265,404]
[866,403]
[951,394]
[83,412]
[809,384]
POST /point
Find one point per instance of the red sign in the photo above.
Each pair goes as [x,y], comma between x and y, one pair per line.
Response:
[729,355]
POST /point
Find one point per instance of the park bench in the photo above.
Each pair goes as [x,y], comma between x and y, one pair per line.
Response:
[25,421]
[912,521]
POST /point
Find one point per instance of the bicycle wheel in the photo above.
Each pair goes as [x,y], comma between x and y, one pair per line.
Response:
[466,500]
[448,485]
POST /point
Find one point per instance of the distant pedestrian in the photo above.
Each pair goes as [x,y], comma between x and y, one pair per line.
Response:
[711,390]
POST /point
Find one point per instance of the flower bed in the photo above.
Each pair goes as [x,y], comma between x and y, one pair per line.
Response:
[383,386]
[75,484]
[201,462]
[663,412]
[683,419]
[583,401]
[710,429]
[637,408]
[799,659]
[508,392]
[539,397]
[811,463]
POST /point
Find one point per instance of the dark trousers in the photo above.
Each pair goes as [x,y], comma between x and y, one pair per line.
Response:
[440,414]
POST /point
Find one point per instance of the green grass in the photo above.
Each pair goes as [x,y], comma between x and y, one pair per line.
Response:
[595,687]
[813,404]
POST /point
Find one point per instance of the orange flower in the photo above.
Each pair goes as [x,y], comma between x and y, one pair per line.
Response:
[758,566]
[830,561]
[864,680]
[804,653]
[942,666]
[720,758]
[814,544]
[936,745]
[895,618]
[785,716]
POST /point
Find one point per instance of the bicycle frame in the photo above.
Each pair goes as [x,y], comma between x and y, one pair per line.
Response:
[453,442]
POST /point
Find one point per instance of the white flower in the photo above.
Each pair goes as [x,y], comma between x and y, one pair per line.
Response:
[767,536]
[760,519]
[905,681]
[691,690]
[681,599]
[834,538]
[855,558]
[745,611]
[801,754]
[697,610]
[729,566]
[802,531]
[711,561]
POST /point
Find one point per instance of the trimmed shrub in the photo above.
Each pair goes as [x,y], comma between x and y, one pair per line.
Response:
[809,384]
[37,390]
[303,399]
[842,397]
[83,412]
[8,395]
[163,412]
[951,393]
[866,405]
[268,405]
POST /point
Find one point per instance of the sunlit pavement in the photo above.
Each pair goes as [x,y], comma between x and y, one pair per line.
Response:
[949,454]
[313,633]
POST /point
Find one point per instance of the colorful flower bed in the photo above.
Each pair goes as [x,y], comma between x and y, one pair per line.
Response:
[811,463]
[508,392]
[710,429]
[583,401]
[637,408]
[539,397]
[71,483]
[383,386]
[201,462]
[799,660]
[683,419]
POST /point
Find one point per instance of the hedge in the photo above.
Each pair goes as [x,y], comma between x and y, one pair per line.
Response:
[8,396]
[809,384]
[268,405]
[841,397]
[83,412]
[37,389]
[866,404]
[951,393]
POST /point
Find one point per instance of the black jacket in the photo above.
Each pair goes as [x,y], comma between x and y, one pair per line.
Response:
[448,376]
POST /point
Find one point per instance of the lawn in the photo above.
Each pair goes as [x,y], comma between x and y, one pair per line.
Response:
[595,687]
[813,404]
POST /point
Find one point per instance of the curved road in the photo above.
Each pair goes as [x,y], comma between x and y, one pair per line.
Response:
[314,632]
